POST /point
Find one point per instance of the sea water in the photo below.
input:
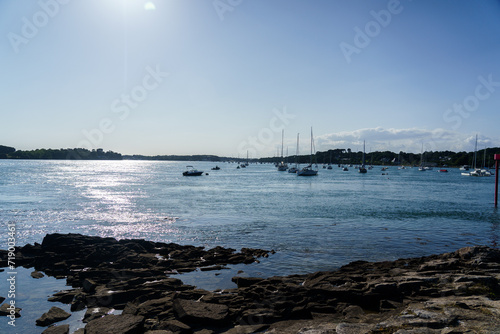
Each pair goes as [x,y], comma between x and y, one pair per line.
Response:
[313,223]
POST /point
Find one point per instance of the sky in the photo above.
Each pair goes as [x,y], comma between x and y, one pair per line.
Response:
[227,77]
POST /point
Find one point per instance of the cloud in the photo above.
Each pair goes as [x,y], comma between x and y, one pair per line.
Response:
[406,140]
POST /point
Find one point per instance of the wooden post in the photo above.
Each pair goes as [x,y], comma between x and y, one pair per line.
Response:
[497,158]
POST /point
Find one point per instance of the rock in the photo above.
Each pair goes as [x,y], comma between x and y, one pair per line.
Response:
[61,329]
[244,282]
[347,328]
[175,326]
[116,324]
[95,313]
[248,329]
[192,311]
[353,312]
[154,307]
[55,314]
[5,309]
[65,296]
[89,285]
[37,274]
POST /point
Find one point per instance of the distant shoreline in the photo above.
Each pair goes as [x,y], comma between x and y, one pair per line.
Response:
[334,157]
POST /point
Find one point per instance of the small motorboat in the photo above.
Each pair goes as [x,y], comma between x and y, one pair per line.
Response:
[192,172]
[216,168]
[442,170]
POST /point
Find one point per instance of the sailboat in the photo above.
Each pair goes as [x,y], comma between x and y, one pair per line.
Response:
[362,168]
[308,170]
[282,166]
[295,169]
[422,168]
[478,172]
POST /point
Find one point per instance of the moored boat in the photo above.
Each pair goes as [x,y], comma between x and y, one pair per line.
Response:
[191,171]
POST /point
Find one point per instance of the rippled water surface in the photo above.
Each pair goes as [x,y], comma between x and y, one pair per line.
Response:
[315,223]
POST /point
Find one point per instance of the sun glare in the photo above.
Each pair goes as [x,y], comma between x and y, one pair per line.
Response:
[149,6]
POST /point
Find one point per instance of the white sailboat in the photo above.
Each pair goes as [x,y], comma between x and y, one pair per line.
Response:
[478,172]
[282,166]
[422,168]
[295,169]
[308,170]
[362,168]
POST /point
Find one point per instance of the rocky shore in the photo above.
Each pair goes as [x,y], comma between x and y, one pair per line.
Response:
[455,292]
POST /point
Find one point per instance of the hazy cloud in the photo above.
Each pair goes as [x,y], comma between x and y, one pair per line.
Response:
[407,140]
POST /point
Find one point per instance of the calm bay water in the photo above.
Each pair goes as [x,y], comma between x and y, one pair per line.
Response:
[315,223]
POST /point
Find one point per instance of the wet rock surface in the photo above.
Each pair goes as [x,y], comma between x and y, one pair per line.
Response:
[456,292]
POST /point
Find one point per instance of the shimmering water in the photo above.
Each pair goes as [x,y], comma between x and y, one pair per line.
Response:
[314,223]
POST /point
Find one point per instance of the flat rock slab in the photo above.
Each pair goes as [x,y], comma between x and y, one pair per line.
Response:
[5,310]
[200,312]
[116,324]
[55,314]
[62,329]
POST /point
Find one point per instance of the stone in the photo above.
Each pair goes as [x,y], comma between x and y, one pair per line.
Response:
[244,282]
[95,313]
[37,274]
[175,326]
[4,310]
[64,296]
[116,324]
[348,328]
[89,285]
[61,329]
[55,314]
[193,311]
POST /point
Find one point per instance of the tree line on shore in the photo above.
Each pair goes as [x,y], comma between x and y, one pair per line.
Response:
[334,156]
[429,158]
[7,152]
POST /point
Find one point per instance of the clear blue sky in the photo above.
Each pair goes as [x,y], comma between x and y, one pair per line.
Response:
[223,77]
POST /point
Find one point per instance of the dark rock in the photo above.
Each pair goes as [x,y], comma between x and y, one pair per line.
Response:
[95,313]
[55,314]
[61,329]
[243,282]
[116,324]
[37,274]
[192,311]
[79,302]
[65,296]
[154,307]
[89,285]
[175,326]
[5,310]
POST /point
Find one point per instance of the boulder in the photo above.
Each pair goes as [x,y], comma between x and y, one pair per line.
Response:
[4,310]
[55,314]
[61,329]
[116,324]
[37,274]
[192,311]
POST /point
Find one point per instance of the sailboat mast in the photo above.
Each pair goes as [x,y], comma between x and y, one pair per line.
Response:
[297,152]
[282,137]
[311,146]
[475,154]
[422,156]
[363,152]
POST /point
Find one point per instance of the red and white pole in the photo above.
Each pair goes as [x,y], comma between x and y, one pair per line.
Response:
[497,158]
